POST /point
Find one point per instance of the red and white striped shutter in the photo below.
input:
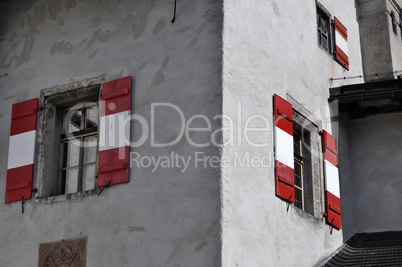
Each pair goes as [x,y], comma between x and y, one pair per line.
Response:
[21,151]
[332,195]
[284,157]
[341,44]
[114,136]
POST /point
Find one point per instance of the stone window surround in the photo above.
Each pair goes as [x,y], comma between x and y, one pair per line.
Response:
[314,126]
[48,136]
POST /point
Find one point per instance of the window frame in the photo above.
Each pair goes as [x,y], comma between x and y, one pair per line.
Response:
[47,155]
[320,10]
[79,135]
[304,120]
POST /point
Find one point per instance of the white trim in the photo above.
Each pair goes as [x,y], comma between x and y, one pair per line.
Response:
[21,150]
[331,178]
[341,42]
[115,130]
[284,147]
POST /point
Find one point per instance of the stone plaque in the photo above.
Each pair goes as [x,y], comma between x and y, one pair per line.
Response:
[72,253]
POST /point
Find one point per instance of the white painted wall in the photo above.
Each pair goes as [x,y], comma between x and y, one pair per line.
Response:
[270,47]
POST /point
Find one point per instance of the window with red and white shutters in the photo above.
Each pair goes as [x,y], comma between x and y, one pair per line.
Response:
[114,135]
[341,44]
[21,152]
[284,157]
[332,195]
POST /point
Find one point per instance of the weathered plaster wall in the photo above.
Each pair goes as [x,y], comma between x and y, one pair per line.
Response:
[376,153]
[270,47]
[161,218]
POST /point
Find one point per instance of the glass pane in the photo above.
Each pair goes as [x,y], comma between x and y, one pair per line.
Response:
[298,198]
[92,117]
[90,149]
[324,42]
[73,153]
[323,25]
[89,176]
[71,180]
[298,175]
[319,37]
[72,120]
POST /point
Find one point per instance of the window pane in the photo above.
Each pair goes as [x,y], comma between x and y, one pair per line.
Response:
[92,117]
[323,25]
[298,174]
[73,153]
[296,143]
[73,120]
[90,149]
[71,180]
[89,176]
[298,198]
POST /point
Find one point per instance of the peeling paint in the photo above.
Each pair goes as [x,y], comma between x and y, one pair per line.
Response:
[98,36]
[160,25]
[54,8]
[9,97]
[61,47]
[93,54]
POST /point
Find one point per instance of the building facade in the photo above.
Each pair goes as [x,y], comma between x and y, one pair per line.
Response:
[202,133]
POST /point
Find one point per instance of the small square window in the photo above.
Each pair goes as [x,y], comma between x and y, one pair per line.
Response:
[323,28]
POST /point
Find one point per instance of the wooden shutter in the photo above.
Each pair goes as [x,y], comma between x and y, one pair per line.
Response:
[341,44]
[332,195]
[21,151]
[114,135]
[284,157]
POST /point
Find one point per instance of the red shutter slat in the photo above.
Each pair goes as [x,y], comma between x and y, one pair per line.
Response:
[332,193]
[20,166]
[341,45]
[113,164]
[24,116]
[284,161]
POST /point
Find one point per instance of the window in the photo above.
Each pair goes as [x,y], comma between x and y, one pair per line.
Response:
[67,141]
[79,148]
[302,168]
[298,164]
[323,28]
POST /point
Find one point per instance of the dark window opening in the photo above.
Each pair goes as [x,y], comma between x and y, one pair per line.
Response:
[323,29]
[303,169]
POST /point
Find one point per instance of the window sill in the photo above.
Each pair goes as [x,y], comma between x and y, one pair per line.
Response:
[308,216]
[67,197]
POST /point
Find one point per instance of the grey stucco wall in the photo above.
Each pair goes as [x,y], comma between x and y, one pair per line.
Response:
[270,47]
[162,218]
[376,154]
